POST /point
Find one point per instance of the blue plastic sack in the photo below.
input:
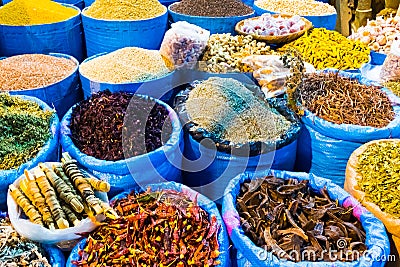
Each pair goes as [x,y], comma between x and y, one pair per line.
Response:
[157,166]
[332,144]
[377,240]
[78,3]
[110,35]
[61,37]
[202,201]
[212,24]
[49,152]
[88,2]
[60,95]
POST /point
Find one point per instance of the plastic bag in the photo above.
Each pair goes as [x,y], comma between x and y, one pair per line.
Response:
[376,238]
[202,201]
[183,44]
[391,67]
[62,238]
[392,224]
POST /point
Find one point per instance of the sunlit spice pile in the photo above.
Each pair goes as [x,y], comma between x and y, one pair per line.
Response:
[161,228]
[212,8]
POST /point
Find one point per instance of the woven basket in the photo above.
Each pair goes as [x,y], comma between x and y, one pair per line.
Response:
[280,39]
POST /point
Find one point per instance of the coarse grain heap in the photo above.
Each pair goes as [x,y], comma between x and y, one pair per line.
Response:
[297,7]
[28,12]
[129,64]
[212,8]
[24,129]
[343,100]
[32,71]
[394,87]
[230,111]
[17,251]
[125,9]
[379,168]
[224,53]
[329,49]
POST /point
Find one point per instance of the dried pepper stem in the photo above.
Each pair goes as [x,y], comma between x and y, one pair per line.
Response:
[32,213]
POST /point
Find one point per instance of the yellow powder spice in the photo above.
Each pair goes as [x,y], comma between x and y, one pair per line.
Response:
[125,9]
[34,12]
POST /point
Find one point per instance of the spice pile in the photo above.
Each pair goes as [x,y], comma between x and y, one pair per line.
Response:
[344,101]
[329,49]
[267,25]
[17,251]
[24,129]
[230,111]
[297,7]
[289,219]
[102,126]
[161,228]
[125,9]
[212,8]
[225,52]
[28,12]
[378,169]
[33,71]
[394,87]
[60,196]
[378,34]
[129,64]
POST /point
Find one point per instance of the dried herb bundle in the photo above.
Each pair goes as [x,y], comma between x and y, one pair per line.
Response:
[379,168]
[342,100]
[162,228]
[98,125]
[16,251]
[24,129]
[287,218]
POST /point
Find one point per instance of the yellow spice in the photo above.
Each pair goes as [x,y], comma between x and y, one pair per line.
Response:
[125,9]
[34,12]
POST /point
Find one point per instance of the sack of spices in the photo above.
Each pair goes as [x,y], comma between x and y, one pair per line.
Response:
[124,139]
[183,44]
[372,178]
[178,227]
[311,222]
[342,111]
[29,131]
[391,66]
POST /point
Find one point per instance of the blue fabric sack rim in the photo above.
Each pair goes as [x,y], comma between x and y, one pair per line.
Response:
[45,24]
[350,132]
[204,202]
[165,12]
[54,128]
[376,246]
[90,162]
[124,83]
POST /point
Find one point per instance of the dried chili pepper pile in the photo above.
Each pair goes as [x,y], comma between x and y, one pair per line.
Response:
[161,228]
[16,251]
[289,219]
[344,101]
[104,127]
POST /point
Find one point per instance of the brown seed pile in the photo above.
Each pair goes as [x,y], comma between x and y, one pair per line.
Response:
[32,71]
[212,8]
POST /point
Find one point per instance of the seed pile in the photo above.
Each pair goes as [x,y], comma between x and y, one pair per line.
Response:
[59,196]
[103,126]
[230,111]
[24,129]
[289,219]
[125,9]
[297,7]
[33,71]
[378,169]
[17,251]
[129,64]
[212,8]
[224,53]
[161,228]
[28,12]
[329,49]
[394,87]
[344,101]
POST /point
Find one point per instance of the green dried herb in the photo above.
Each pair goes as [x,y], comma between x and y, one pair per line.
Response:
[379,169]
[24,129]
